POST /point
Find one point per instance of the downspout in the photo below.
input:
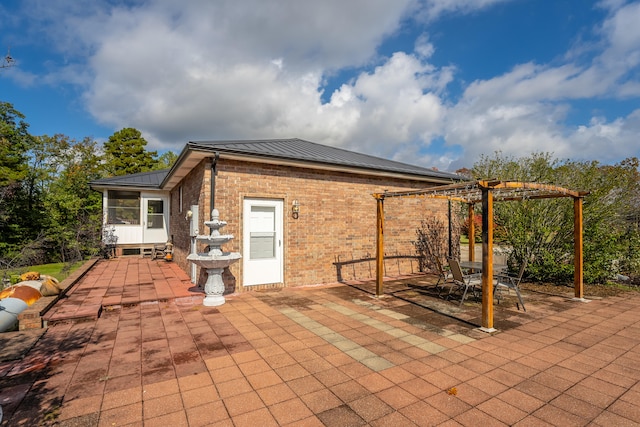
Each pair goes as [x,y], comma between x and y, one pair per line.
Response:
[450,232]
[214,172]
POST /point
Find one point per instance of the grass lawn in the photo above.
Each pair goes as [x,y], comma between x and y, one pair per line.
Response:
[59,270]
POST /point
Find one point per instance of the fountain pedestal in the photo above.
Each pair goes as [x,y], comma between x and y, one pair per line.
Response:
[215,261]
[214,288]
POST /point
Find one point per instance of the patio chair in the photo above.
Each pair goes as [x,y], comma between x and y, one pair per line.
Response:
[462,282]
[505,280]
[444,275]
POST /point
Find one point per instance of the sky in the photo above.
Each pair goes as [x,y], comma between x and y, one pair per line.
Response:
[434,83]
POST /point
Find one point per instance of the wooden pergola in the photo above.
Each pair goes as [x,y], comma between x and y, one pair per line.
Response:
[486,192]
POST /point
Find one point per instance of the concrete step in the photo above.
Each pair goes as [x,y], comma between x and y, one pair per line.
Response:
[72,313]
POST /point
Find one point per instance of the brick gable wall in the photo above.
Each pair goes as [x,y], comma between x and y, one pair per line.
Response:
[337,219]
[195,191]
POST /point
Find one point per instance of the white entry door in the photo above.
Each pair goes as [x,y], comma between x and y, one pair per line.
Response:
[154,222]
[262,242]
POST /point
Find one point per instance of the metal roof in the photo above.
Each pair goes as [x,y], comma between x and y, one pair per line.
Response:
[301,150]
[296,152]
[138,180]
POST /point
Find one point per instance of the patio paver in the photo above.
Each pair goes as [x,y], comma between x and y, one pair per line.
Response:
[320,355]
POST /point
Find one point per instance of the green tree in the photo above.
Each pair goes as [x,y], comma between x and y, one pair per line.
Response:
[125,153]
[15,141]
[166,160]
[62,216]
[48,213]
[544,228]
[75,210]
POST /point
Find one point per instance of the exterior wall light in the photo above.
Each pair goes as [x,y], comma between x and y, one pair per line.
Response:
[295,209]
[189,215]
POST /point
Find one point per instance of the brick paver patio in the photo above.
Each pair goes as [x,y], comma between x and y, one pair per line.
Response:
[323,355]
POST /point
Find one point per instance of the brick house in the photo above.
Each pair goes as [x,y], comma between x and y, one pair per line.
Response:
[295,209]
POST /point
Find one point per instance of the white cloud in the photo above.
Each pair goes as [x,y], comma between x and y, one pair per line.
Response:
[199,69]
[608,140]
[623,32]
[227,68]
[396,105]
[433,9]
[524,110]
[423,47]
[184,77]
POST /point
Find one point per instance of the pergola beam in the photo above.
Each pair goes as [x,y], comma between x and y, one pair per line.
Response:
[504,190]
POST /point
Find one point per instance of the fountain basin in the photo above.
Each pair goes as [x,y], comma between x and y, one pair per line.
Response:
[205,260]
[214,240]
[214,264]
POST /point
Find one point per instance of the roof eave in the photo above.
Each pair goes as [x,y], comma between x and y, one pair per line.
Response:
[100,187]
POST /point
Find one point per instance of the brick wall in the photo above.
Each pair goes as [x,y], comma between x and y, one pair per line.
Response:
[195,191]
[337,219]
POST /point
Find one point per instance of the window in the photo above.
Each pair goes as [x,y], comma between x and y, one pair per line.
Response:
[262,236]
[123,207]
[180,196]
[155,214]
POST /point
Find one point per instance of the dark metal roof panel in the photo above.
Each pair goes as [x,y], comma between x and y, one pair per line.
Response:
[141,180]
[301,150]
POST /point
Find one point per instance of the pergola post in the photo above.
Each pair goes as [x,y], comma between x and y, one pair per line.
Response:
[472,234]
[487,260]
[379,244]
[577,249]
[450,251]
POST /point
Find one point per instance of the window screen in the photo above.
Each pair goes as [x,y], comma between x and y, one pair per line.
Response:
[123,207]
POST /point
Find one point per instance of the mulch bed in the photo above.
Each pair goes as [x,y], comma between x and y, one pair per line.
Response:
[598,290]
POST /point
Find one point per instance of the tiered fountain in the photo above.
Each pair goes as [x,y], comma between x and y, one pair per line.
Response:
[215,260]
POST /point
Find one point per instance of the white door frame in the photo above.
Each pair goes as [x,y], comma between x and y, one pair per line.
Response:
[155,235]
[265,263]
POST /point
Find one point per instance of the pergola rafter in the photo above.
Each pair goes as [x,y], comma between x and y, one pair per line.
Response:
[486,192]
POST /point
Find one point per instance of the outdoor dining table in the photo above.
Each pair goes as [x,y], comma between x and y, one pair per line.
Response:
[477,266]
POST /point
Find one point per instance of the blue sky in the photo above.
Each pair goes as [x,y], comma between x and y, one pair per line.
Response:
[430,82]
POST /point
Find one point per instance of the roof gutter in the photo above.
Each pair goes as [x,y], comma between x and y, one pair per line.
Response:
[340,168]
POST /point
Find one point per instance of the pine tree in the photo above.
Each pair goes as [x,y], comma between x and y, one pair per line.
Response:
[125,153]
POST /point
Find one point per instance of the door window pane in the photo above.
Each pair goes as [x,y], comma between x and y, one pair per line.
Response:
[262,237]
[263,245]
[155,214]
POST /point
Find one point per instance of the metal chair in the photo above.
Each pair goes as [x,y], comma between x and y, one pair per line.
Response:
[462,282]
[511,282]
[443,274]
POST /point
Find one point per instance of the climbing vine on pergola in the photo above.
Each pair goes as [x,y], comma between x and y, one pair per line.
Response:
[486,192]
